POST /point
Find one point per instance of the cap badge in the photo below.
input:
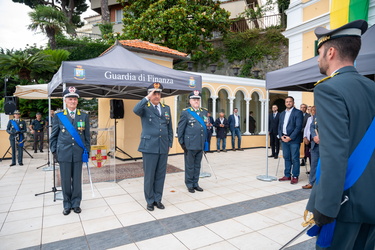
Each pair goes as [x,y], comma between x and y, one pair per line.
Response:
[72,89]
[156,85]
[196,92]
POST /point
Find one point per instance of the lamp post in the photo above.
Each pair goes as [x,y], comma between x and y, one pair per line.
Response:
[235,70]
[190,65]
[213,68]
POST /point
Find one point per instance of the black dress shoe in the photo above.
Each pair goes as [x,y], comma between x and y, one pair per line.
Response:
[66,211]
[35,151]
[191,190]
[41,151]
[159,205]
[21,164]
[199,189]
[77,210]
[150,207]
[13,164]
[276,157]
[270,156]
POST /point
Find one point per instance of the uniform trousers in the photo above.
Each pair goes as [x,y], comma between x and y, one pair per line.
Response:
[16,147]
[193,159]
[155,169]
[38,138]
[353,236]
[71,183]
[275,144]
[314,163]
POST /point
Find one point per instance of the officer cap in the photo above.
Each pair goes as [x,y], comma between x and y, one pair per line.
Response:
[16,112]
[355,28]
[155,86]
[195,95]
[71,92]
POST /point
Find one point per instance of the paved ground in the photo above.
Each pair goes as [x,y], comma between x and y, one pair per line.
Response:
[235,211]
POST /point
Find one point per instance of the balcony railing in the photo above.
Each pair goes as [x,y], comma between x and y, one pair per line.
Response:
[262,23]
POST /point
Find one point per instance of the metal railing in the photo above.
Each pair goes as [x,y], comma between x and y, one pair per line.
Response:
[262,23]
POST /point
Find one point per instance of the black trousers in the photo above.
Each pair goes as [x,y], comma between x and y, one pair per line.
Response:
[275,144]
[38,138]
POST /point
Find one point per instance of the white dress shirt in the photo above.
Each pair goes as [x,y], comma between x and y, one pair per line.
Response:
[306,131]
[286,120]
[236,120]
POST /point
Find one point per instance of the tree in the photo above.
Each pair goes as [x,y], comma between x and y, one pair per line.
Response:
[72,10]
[50,21]
[24,65]
[184,25]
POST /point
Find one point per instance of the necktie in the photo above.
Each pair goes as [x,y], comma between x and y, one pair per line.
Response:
[72,115]
[157,108]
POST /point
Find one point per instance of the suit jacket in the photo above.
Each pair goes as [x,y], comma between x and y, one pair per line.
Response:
[12,131]
[232,122]
[345,105]
[62,142]
[157,132]
[221,132]
[294,126]
[305,118]
[313,129]
[273,123]
[190,132]
[211,120]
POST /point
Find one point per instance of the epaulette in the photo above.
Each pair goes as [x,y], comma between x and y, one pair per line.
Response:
[204,109]
[185,109]
[326,78]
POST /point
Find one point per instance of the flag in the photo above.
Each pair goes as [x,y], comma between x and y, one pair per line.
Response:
[345,11]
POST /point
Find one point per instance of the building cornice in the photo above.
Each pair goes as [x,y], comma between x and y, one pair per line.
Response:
[321,20]
[230,80]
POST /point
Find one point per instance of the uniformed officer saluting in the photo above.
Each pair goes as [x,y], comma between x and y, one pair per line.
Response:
[192,136]
[37,127]
[67,152]
[156,140]
[16,127]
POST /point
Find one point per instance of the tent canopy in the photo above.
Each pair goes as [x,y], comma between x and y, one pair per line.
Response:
[36,91]
[303,75]
[120,73]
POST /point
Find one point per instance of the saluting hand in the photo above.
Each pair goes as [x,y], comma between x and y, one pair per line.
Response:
[150,94]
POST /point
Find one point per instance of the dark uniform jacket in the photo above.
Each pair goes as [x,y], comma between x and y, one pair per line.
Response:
[190,132]
[62,142]
[12,131]
[294,126]
[38,125]
[345,105]
[157,132]
[221,132]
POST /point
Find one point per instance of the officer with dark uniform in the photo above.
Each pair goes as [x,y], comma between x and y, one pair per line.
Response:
[37,129]
[192,137]
[345,104]
[67,152]
[16,136]
[156,140]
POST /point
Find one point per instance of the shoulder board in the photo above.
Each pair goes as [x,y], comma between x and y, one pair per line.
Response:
[81,110]
[204,109]
[326,78]
[185,109]
[164,105]
[21,120]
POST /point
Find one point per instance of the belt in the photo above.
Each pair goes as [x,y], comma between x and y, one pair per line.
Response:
[38,131]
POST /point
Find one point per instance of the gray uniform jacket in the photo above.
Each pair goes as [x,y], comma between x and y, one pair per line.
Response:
[157,132]
[190,132]
[62,142]
[345,105]
[12,131]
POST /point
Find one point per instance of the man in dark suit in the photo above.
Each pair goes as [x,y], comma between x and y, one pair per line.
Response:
[273,124]
[191,132]
[210,129]
[234,121]
[16,129]
[303,108]
[290,125]
[156,140]
[221,124]
[345,106]
[67,152]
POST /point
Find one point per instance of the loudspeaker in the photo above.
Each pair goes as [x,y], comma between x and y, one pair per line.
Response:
[117,109]
[10,104]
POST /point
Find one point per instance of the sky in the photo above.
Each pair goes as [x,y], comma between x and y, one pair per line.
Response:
[14,20]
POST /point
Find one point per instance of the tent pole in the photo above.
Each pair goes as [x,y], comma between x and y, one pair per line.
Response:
[266,177]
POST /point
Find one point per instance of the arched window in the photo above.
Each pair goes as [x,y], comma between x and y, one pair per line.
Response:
[222,103]
[255,107]
[240,103]
[206,99]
